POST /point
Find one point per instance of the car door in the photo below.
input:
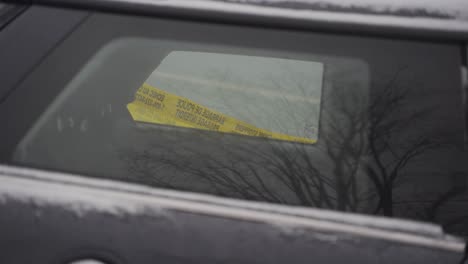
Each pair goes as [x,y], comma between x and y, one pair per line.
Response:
[142,133]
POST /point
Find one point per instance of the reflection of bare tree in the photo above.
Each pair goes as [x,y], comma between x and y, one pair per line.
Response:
[142,167]
[365,149]
[458,188]
[401,133]
[391,143]
[275,176]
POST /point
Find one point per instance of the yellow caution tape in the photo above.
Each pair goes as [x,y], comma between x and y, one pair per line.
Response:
[153,105]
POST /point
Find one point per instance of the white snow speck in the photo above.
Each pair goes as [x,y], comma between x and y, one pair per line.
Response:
[84,125]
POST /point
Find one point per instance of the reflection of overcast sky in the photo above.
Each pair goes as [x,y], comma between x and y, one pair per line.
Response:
[281,95]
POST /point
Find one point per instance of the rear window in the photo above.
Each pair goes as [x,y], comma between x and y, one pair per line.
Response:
[356,124]
[248,95]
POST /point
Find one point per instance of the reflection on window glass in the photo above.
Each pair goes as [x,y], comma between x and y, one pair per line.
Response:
[386,120]
[256,96]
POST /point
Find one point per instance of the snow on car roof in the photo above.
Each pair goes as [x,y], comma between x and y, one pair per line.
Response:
[442,19]
[454,9]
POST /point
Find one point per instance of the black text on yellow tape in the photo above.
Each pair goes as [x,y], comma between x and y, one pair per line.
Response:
[153,105]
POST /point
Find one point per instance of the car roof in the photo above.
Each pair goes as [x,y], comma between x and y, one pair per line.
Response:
[447,9]
[447,19]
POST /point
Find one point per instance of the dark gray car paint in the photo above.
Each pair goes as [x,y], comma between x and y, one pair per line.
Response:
[23,47]
[127,227]
[9,12]
[52,234]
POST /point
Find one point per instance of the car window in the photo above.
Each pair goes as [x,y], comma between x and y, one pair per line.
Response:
[348,123]
[248,95]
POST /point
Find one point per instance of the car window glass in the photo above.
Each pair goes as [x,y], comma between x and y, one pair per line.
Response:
[357,124]
[256,96]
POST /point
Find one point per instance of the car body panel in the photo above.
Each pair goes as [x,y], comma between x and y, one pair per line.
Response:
[123,222]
